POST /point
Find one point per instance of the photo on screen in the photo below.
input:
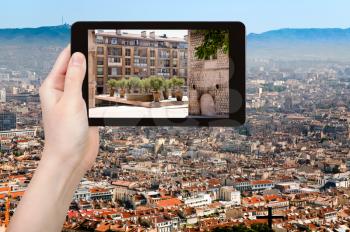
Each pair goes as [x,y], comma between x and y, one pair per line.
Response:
[158,73]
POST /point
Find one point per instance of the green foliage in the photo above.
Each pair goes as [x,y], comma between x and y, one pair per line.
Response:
[272,88]
[121,84]
[213,41]
[259,227]
[135,82]
[167,84]
[146,85]
[156,82]
[177,81]
[112,83]
[17,153]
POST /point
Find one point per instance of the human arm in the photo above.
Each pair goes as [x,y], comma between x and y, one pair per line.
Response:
[70,148]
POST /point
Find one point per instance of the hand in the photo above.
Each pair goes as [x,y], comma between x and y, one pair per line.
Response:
[70,149]
[68,139]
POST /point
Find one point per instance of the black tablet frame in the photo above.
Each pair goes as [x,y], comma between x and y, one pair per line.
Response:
[237,69]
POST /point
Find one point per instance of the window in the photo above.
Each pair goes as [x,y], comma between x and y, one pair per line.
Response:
[182,72]
[100,51]
[183,54]
[152,62]
[153,71]
[100,61]
[127,71]
[115,71]
[142,52]
[152,53]
[174,54]
[127,51]
[114,51]
[174,63]
[136,60]
[99,70]
[127,61]
[99,39]
[114,60]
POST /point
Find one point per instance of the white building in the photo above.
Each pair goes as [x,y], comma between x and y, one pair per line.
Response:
[2,95]
[228,193]
[198,200]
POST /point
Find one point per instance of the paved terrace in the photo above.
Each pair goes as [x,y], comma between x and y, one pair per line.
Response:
[136,109]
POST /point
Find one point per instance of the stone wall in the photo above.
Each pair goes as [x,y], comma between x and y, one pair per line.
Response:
[92,67]
[207,77]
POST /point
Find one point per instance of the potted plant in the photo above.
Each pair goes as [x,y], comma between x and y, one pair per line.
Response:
[112,86]
[135,84]
[128,85]
[156,83]
[172,87]
[122,84]
[178,84]
[146,85]
[167,86]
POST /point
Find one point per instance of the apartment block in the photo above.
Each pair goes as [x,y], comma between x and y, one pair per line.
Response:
[121,55]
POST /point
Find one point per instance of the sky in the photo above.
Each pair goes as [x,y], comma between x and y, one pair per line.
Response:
[257,15]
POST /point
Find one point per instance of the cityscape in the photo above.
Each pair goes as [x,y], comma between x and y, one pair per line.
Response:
[291,156]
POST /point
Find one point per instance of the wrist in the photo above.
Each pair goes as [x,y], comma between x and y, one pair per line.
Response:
[63,163]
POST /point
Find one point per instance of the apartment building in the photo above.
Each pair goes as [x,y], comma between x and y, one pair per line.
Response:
[122,54]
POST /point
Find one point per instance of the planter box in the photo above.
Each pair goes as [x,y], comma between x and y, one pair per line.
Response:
[139,97]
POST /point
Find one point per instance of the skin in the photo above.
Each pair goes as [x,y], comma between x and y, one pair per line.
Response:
[71,147]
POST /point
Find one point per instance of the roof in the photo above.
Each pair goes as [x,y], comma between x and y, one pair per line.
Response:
[255,182]
[169,202]
[98,190]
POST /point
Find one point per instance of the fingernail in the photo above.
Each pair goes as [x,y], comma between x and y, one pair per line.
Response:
[77,59]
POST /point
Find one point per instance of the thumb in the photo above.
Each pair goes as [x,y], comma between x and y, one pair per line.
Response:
[75,75]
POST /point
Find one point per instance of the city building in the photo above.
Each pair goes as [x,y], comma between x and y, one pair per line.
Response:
[2,95]
[117,54]
[228,193]
[7,121]
[198,200]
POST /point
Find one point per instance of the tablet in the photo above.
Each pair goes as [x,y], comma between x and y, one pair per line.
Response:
[163,73]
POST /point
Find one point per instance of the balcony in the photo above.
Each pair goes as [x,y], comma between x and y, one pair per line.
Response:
[140,65]
[110,63]
[163,74]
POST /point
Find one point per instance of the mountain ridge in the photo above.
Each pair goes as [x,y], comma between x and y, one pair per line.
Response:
[285,43]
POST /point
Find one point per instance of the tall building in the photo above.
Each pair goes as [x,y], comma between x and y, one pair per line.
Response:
[121,55]
[228,193]
[2,95]
[7,121]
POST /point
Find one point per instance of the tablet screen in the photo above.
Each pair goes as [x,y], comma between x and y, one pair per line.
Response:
[158,73]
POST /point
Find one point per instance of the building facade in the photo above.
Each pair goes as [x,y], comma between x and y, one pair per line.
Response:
[228,193]
[117,55]
[7,121]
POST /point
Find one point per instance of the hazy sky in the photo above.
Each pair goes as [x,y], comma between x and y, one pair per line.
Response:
[258,15]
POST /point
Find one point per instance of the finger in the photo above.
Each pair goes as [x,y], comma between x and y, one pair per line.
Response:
[55,79]
[52,88]
[74,76]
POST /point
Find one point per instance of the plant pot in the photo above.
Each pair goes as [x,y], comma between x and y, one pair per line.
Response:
[142,97]
[178,95]
[156,96]
[122,93]
[173,93]
[111,92]
[166,94]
